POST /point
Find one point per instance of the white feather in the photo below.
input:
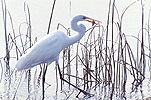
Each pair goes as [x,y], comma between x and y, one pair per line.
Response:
[49,47]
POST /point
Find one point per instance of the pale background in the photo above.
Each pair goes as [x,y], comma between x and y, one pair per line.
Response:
[40,11]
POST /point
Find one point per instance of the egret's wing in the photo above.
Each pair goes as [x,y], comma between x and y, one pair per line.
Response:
[44,51]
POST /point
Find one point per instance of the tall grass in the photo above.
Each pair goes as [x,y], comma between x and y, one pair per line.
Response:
[7,57]
[98,63]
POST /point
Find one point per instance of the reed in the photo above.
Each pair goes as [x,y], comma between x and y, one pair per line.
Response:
[100,62]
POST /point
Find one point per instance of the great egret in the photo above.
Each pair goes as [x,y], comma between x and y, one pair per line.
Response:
[49,47]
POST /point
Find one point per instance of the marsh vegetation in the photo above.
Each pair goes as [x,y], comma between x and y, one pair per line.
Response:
[106,62]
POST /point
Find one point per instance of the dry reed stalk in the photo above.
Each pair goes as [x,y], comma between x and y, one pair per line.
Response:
[105,67]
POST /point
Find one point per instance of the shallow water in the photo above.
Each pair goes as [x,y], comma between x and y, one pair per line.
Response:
[54,92]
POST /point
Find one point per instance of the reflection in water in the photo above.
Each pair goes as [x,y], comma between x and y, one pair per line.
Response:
[103,66]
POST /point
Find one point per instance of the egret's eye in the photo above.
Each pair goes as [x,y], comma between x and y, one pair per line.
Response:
[84,17]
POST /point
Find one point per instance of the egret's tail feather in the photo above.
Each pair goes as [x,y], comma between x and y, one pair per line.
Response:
[22,63]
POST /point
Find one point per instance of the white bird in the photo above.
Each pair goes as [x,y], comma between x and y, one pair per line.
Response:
[49,47]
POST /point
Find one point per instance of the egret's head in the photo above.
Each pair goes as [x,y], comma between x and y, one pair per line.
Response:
[81,28]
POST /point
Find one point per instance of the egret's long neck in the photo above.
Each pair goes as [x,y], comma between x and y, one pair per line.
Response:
[74,39]
[78,28]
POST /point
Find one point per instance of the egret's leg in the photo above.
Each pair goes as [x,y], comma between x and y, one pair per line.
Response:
[43,81]
[86,93]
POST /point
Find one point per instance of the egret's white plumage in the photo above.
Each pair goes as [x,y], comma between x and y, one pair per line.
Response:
[44,51]
[49,47]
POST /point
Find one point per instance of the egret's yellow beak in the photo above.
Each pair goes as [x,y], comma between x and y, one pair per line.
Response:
[92,20]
